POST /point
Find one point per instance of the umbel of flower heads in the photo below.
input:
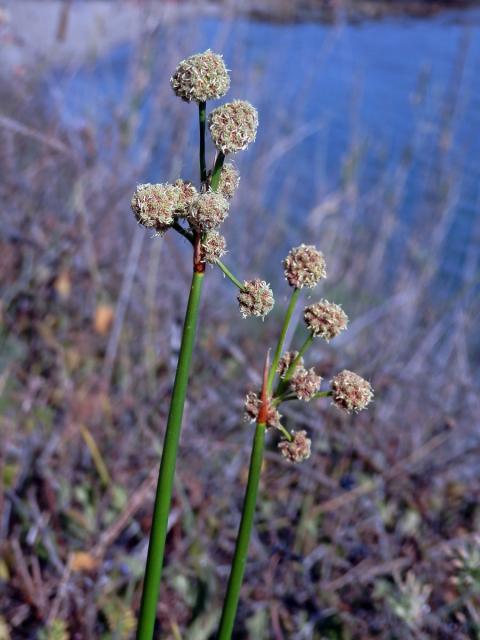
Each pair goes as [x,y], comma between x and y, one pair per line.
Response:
[199,214]
[285,379]
[305,267]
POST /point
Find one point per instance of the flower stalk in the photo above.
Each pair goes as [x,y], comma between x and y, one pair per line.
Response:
[156,548]
[232,595]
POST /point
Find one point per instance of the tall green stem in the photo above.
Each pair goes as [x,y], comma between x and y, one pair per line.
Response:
[241,549]
[158,534]
[281,340]
[202,119]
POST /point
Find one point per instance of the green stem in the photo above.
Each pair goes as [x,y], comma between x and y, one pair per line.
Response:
[282,385]
[229,274]
[323,394]
[281,340]
[217,170]
[158,534]
[241,549]
[202,119]
[286,435]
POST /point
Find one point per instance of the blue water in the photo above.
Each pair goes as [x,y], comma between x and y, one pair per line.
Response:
[405,91]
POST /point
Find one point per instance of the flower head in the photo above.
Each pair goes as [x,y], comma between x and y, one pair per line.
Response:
[351,392]
[186,194]
[207,211]
[229,180]
[297,449]
[325,319]
[304,266]
[252,407]
[213,247]
[305,383]
[255,299]
[233,126]
[154,205]
[201,77]
[286,360]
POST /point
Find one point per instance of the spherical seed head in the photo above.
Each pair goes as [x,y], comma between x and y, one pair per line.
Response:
[298,449]
[304,266]
[186,194]
[305,383]
[286,360]
[255,299]
[252,407]
[229,180]
[213,247]
[233,126]
[201,77]
[207,211]
[325,319]
[351,392]
[154,205]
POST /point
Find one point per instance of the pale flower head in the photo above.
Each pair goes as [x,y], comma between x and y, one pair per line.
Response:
[201,77]
[286,360]
[229,180]
[305,383]
[154,205]
[186,194]
[325,319]
[350,391]
[207,211]
[298,449]
[233,126]
[304,266]
[255,298]
[213,246]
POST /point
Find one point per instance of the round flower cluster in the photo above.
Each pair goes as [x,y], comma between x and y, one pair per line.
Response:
[201,77]
[350,391]
[298,449]
[255,298]
[233,126]
[154,205]
[229,180]
[186,194]
[252,408]
[305,383]
[207,211]
[304,266]
[286,360]
[213,247]
[325,319]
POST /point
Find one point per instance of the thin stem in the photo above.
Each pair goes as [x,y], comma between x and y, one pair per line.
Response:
[281,340]
[285,433]
[282,385]
[323,394]
[229,274]
[158,534]
[287,395]
[241,548]
[217,170]
[202,118]
[183,232]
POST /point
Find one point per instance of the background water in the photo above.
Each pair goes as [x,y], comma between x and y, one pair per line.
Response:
[392,106]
